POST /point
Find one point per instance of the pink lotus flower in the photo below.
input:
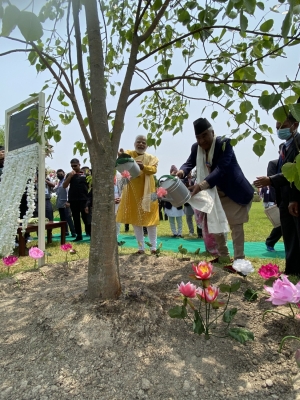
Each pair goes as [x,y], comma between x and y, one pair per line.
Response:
[161,192]
[269,271]
[203,270]
[126,174]
[66,247]
[209,294]
[36,253]
[10,260]
[283,291]
[187,289]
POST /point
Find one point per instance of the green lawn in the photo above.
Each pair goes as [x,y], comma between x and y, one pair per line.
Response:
[257,229]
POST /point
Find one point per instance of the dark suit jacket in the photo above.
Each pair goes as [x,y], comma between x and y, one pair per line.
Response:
[272,170]
[226,173]
[284,191]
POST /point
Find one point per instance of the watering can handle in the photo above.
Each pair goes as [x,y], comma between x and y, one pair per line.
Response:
[167,176]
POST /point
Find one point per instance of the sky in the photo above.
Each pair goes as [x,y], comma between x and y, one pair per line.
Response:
[19,79]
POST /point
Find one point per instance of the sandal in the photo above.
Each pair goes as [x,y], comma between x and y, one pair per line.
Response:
[153,251]
[139,252]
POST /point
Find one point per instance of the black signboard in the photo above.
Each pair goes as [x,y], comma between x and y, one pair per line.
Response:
[18,129]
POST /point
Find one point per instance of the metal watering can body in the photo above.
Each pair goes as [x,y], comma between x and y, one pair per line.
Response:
[178,194]
[128,164]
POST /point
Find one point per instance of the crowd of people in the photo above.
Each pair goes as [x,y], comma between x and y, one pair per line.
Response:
[217,184]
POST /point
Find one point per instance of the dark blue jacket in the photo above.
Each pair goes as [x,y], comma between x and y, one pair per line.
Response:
[226,173]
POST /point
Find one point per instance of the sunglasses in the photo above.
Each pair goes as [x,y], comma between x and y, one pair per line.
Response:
[74,166]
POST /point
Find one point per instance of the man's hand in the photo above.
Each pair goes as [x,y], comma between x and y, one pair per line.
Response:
[72,172]
[196,189]
[67,204]
[117,200]
[180,174]
[86,210]
[140,164]
[262,181]
[294,209]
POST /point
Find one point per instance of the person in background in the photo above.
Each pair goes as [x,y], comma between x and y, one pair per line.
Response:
[288,131]
[2,157]
[78,196]
[275,233]
[267,197]
[117,194]
[48,190]
[136,206]
[174,214]
[62,203]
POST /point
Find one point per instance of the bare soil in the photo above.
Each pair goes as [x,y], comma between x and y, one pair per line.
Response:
[56,344]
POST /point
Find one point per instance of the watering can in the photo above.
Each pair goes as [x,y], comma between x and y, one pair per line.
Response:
[178,194]
[127,163]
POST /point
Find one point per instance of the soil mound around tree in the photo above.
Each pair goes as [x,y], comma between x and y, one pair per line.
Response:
[56,344]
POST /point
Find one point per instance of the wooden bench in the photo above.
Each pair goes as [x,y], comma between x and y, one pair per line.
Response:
[48,227]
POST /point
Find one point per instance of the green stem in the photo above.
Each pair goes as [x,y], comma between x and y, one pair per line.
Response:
[292,310]
[275,312]
[225,308]
[285,338]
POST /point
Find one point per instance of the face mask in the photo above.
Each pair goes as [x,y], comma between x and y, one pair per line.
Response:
[284,134]
[60,177]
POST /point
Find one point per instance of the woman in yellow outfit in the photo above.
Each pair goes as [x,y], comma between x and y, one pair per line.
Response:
[136,207]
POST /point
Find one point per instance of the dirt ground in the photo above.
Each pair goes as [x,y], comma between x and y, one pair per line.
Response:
[55,344]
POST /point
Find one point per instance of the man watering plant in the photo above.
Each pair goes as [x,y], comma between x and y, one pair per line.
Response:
[221,183]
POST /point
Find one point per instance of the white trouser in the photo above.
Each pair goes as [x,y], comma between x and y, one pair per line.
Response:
[118,226]
[173,225]
[152,235]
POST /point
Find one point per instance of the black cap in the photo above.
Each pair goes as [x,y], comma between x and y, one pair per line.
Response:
[200,125]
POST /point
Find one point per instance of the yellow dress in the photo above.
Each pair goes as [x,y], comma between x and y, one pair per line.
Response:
[131,209]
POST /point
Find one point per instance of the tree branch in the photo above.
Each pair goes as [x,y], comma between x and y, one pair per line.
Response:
[75,7]
[69,46]
[155,22]
[208,28]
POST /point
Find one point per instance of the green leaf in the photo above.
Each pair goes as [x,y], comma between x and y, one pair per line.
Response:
[229,315]
[291,100]
[157,4]
[250,295]
[10,20]
[183,16]
[30,26]
[225,288]
[295,111]
[250,6]
[280,114]
[214,114]
[286,25]
[246,106]
[241,118]
[260,5]
[270,281]
[269,101]
[235,286]
[259,147]
[289,171]
[178,312]
[198,326]
[242,335]
[243,22]
[267,25]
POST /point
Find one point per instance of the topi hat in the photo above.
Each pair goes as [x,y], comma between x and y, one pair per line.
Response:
[200,125]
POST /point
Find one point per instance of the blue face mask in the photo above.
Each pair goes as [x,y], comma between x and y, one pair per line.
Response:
[284,134]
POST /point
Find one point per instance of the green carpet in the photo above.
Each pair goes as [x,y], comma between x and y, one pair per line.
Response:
[252,249]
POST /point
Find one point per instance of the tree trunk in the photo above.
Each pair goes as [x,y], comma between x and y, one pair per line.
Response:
[103,269]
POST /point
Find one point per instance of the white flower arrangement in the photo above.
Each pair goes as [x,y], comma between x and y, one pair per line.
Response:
[18,175]
[243,266]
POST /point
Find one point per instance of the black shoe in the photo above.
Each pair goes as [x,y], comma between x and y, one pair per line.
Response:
[78,239]
[180,236]
[175,236]
[67,234]
[73,234]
